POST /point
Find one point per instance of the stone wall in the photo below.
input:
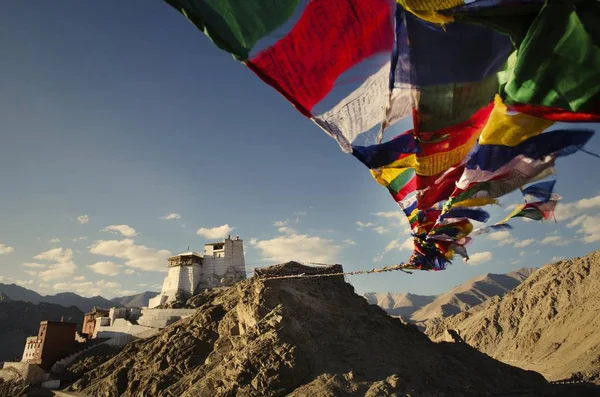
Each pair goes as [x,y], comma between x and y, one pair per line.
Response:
[32,373]
[161,318]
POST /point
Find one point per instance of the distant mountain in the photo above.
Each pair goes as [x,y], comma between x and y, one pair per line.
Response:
[18,320]
[139,300]
[18,293]
[399,304]
[469,294]
[547,324]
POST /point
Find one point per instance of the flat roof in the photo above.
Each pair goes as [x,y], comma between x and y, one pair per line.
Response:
[191,253]
[57,323]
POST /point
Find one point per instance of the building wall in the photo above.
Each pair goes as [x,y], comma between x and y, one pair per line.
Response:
[31,373]
[89,320]
[31,345]
[220,266]
[181,278]
[58,340]
[231,263]
[161,318]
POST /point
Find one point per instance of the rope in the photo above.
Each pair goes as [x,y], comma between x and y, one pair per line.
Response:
[401,267]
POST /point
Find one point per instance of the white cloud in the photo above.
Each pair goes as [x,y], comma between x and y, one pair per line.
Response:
[280,223]
[137,256]
[590,227]
[515,262]
[380,230]
[570,210]
[499,236]
[78,239]
[5,249]
[524,243]
[129,271]
[170,216]
[398,245]
[479,257]
[60,255]
[92,288]
[503,237]
[124,230]
[215,232]
[106,268]
[557,258]
[397,217]
[31,272]
[253,241]
[364,225]
[57,271]
[35,265]
[556,240]
[79,278]
[24,282]
[83,219]
[349,242]
[395,245]
[54,241]
[286,230]
[63,266]
[576,221]
[298,247]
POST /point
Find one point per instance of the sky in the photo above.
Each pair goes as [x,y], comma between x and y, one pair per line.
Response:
[127,136]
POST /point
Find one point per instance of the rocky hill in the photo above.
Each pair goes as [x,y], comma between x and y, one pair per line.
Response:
[18,293]
[18,320]
[469,294]
[399,304]
[139,300]
[548,324]
[299,337]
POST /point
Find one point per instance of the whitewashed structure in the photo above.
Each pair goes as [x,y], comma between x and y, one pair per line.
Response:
[222,264]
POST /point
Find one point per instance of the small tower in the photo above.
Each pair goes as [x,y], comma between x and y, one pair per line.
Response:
[221,265]
[224,263]
[183,278]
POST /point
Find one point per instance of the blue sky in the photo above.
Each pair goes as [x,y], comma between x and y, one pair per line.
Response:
[113,114]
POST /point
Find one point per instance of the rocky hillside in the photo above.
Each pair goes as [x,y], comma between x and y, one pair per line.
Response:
[398,304]
[469,294]
[299,337]
[18,293]
[548,324]
[139,300]
[18,320]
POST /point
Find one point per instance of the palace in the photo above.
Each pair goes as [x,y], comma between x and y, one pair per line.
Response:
[221,265]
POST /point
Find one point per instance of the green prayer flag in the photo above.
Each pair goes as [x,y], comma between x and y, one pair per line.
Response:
[236,25]
[558,62]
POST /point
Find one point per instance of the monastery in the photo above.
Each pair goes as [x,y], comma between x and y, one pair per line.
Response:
[189,273]
[59,343]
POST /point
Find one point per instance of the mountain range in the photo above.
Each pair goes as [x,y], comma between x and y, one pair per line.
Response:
[17,293]
[422,309]
[548,324]
[139,300]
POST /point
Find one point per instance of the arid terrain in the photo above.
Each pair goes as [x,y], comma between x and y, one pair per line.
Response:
[548,324]
[301,337]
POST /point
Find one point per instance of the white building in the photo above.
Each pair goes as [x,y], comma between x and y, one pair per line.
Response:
[222,264]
